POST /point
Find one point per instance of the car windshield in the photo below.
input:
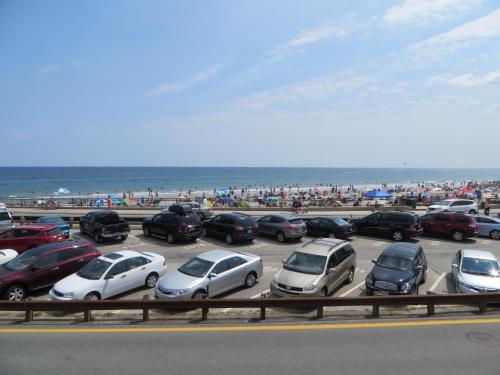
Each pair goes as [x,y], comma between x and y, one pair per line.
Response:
[196,267]
[25,259]
[444,203]
[94,269]
[51,220]
[305,263]
[483,267]
[394,263]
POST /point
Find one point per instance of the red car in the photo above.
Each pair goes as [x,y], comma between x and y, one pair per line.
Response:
[456,225]
[27,236]
[43,266]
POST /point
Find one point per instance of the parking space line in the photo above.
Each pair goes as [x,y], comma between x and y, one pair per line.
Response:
[352,289]
[486,242]
[435,243]
[378,243]
[436,283]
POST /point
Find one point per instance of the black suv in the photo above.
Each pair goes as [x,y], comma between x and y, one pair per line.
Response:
[400,269]
[394,224]
[232,227]
[176,224]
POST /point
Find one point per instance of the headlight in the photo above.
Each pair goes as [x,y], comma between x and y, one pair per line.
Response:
[406,287]
[179,292]
[369,279]
[309,287]
[68,295]
[465,285]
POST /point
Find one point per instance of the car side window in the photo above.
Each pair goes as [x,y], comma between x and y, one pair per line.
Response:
[341,255]
[332,262]
[136,262]
[7,234]
[373,217]
[265,219]
[235,262]
[276,219]
[118,268]
[47,260]
[426,218]
[348,250]
[157,218]
[228,220]
[443,217]
[25,233]
[221,267]
[314,221]
[66,254]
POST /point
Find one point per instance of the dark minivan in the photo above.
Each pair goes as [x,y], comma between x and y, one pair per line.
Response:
[178,223]
[394,224]
[400,269]
[43,266]
[232,227]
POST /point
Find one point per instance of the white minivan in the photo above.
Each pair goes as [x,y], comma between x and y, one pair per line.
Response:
[6,220]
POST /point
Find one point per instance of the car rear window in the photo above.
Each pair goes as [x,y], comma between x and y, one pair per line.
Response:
[190,219]
[54,232]
[4,216]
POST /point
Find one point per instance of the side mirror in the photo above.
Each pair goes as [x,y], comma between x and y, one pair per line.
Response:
[419,268]
[212,275]
[374,261]
[454,265]
[332,270]
[283,261]
[109,277]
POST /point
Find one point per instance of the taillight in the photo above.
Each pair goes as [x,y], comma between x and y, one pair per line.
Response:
[289,227]
[240,227]
[413,227]
[256,226]
[180,229]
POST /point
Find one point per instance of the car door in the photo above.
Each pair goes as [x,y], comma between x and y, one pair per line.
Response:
[227,225]
[326,227]
[333,271]
[137,271]
[370,225]
[220,281]
[116,279]
[44,272]
[275,225]
[455,265]
[443,224]
[7,239]
[154,224]
[312,227]
[420,261]
[264,224]
[213,225]
[70,260]
[238,271]
[427,222]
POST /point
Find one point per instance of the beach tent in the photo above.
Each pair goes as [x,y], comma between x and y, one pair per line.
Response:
[62,190]
[377,194]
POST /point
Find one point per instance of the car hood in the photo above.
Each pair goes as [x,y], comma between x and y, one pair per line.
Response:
[295,279]
[178,280]
[480,281]
[390,275]
[73,283]
[9,255]
[437,207]
[4,271]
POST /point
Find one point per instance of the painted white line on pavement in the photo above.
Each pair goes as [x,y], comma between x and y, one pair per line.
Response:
[378,243]
[486,242]
[361,271]
[352,289]
[436,283]
[435,243]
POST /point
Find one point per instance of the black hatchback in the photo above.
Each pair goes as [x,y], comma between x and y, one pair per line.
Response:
[394,224]
[329,226]
[400,269]
[231,227]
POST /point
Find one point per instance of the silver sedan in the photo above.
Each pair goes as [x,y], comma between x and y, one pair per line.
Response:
[488,226]
[476,271]
[210,274]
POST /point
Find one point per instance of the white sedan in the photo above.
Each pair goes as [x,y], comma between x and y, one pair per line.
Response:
[111,274]
[6,255]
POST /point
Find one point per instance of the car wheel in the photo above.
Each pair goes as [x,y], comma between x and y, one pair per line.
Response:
[251,279]
[123,238]
[397,235]
[472,212]
[146,232]
[170,238]
[97,238]
[350,276]
[280,237]
[414,291]
[457,236]
[204,232]
[93,296]
[369,292]
[199,294]
[151,280]
[324,292]
[229,239]
[495,234]
[15,293]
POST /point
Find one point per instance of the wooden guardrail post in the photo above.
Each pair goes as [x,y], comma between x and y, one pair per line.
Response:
[87,315]
[262,313]
[482,307]
[204,313]
[145,310]
[319,312]
[71,219]
[28,314]
[375,311]
[430,309]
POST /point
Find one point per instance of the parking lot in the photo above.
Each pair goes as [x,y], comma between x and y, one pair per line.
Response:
[439,253]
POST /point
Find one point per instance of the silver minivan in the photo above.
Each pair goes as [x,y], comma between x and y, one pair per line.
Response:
[317,268]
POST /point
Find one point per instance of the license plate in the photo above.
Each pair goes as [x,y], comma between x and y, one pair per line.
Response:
[381,293]
[249,231]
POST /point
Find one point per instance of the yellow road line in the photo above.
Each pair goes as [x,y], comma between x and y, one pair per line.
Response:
[249,328]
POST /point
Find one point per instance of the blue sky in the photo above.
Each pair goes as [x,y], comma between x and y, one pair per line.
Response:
[250,83]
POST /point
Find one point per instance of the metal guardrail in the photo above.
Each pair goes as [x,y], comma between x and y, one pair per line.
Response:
[146,304]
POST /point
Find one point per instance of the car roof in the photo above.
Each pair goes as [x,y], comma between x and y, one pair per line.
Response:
[402,249]
[237,214]
[39,226]
[103,212]
[285,215]
[321,246]
[480,254]
[119,255]
[63,244]
[216,255]
[487,217]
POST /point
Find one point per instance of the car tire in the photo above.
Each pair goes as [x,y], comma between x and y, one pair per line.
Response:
[170,238]
[250,280]
[397,236]
[146,232]
[458,236]
[15,293]
[92,296]
[350,276]
[82,231]
[324,292]
[97,238]
[204,232]
[280,237]
[229,239]
[151,280]
[472,212]
[369,292]
[414,291]
[123,238]
[495,234]
[199,294]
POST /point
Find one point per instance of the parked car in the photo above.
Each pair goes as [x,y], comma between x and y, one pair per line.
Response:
[282,226]
[317,268]
[6,220]
[58,221]
[210,274]
[30,235]
[488,226]
[174,226]
[43,266]
[475,271]
[111,274]
[7,255]
[456,205]
[394,224]
[400,269]
[232,227]
[329,226]
[456,225]
[202,211]
[102,225]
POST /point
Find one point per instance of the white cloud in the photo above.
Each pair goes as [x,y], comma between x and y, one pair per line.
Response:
[205,74]
[422,12]
[465,80]
[304,38]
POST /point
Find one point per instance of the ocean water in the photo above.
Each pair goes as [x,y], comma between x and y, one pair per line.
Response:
[25,181]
